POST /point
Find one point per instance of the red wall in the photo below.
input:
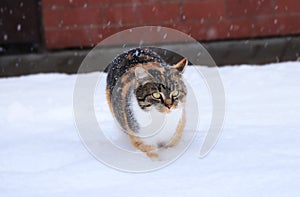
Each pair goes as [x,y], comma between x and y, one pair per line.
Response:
[75,23]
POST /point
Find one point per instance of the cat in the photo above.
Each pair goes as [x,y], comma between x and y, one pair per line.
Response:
[147,97]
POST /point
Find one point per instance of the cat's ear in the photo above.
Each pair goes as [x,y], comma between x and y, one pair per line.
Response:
[181,65]
[141,74]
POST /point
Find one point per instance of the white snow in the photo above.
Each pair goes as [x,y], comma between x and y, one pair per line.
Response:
[258,153]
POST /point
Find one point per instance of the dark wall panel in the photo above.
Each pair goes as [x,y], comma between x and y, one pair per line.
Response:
[19,24]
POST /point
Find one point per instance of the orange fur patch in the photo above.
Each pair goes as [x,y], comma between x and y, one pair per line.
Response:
[139,144]
[152,65]
[109,100]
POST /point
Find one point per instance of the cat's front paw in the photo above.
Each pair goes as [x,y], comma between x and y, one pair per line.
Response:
[153,156]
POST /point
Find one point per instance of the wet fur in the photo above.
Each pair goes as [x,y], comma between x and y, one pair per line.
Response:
[132,78]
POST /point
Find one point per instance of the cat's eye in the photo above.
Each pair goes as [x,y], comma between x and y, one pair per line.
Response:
[156,95]
[175,93]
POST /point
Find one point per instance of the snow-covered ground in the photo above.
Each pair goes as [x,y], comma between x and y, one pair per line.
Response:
[258,153]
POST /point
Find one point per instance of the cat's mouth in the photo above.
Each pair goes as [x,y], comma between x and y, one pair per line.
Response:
[167,109]
[169,106]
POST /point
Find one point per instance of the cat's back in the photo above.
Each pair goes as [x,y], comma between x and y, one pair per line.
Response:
[122,63]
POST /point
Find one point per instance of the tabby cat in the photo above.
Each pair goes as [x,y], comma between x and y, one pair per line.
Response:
[141,89]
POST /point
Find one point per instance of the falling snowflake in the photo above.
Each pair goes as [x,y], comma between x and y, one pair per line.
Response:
[19,27]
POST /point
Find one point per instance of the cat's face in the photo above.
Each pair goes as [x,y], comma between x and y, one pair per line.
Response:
[160,88]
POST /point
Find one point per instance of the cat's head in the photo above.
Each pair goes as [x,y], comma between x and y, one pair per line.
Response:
[159,87]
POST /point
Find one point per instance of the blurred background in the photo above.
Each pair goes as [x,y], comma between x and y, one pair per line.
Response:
[55,35]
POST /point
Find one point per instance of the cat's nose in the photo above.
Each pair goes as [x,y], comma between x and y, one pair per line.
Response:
[168,103]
